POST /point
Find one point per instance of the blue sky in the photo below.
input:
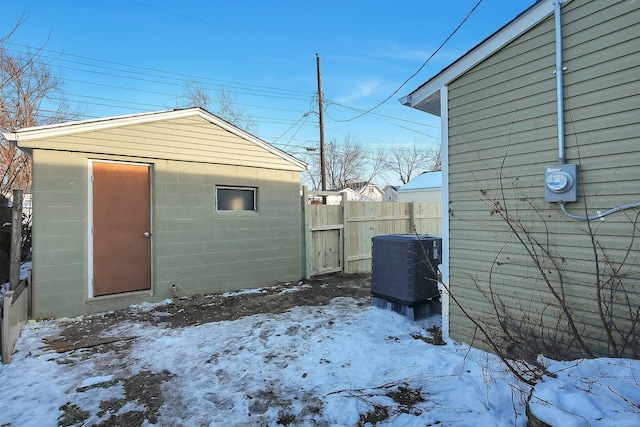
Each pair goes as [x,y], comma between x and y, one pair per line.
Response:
[130,56]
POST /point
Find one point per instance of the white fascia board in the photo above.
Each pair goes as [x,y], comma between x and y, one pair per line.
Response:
[70,128]
[427,96]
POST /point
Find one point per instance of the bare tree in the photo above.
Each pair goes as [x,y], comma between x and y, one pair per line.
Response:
[408,162]
[436,160]
[344,162]
[347,162]
[31,94]
[223,106]
[196,95]
[228,109]
[377,164]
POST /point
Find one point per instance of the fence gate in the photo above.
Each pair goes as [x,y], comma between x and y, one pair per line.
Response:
[324,239]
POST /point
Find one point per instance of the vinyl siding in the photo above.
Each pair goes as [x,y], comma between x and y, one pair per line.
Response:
[190,138]
[502,134]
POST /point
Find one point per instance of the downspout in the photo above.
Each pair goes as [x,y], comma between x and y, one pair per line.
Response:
[559,83]
[444,267]
[560,103]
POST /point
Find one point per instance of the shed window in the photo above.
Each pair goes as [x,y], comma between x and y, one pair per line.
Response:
[236,198]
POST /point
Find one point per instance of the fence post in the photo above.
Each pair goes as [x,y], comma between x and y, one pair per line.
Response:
[16,240]
[346,241]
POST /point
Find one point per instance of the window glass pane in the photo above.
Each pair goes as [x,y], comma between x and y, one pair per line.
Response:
[236,199]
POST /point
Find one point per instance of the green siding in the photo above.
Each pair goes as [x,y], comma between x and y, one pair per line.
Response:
[194,247]
[502,133]
[191,138]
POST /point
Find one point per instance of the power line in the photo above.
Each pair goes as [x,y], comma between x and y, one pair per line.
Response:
[305,116]
[419,69]
[330,102]
[396,124]
[149,72]
[177,14]
[115,71]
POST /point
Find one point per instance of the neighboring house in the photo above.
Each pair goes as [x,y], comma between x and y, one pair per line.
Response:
[506,134]
[390,193]
[148,206]
[358,192]
[368,191]
[352,196]
[426,187]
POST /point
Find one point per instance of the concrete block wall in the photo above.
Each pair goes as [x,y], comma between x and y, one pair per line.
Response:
[194,247]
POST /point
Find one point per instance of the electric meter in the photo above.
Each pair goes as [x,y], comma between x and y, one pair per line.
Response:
[561,183]
[558,182]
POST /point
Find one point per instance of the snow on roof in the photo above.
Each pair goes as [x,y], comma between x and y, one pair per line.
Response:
[427,180]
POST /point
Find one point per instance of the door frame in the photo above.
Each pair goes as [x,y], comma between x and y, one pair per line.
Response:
[90,227]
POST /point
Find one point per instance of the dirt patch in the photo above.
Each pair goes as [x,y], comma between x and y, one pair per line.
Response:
[404,399]
[71,415]
[88,332]
[143,389]
[435,337]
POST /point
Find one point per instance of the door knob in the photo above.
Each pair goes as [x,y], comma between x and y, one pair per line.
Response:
[146,234]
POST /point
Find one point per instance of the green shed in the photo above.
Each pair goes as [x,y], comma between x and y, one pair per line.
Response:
[148,206]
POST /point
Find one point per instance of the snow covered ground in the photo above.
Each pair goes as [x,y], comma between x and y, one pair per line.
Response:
[337,365]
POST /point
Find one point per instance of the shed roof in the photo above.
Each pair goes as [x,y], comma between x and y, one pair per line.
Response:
[427,96]
[424,181]
[181,134]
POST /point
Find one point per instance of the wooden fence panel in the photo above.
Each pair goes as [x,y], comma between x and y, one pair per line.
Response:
[338,237]
[367,219]
[428,218]
[14,316]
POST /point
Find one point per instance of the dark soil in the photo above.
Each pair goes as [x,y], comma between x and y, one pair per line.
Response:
[407,401]
[205,308]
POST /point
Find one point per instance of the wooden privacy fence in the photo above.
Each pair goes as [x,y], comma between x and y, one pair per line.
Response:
[14,314]
[337,238]
[14,304]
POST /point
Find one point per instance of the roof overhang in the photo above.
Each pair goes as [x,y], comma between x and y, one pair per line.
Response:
[427,97]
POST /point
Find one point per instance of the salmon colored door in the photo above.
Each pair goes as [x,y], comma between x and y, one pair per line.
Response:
[121,228]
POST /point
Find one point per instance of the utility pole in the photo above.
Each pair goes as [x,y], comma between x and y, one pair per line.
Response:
[323,163]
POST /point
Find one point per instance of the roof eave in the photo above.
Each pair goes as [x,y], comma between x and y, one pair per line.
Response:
[427,96]
[11,138]
[429,104]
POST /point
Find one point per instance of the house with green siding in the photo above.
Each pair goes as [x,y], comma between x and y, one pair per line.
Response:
[541,177]
[150,206]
